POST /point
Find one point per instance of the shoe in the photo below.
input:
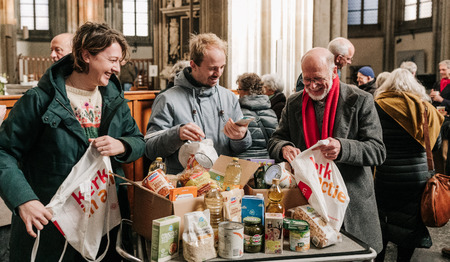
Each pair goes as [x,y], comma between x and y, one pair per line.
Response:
[446,252]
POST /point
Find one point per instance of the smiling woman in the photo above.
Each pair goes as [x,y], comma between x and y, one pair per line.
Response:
[78,103]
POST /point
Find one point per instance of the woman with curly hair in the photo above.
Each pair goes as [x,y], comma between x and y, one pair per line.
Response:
[255,104]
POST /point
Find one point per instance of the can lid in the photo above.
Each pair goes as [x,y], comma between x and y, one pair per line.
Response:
[274,171]
[203,160]
[252,220]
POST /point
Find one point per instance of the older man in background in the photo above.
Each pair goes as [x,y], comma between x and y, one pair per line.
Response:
[346,116]
[60,46]
[343,51]
[366,79]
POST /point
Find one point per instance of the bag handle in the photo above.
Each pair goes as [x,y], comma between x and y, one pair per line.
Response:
[426,136]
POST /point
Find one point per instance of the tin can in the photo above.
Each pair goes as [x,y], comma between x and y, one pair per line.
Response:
[299,236]
[199,159]
[278,171]
[231,240]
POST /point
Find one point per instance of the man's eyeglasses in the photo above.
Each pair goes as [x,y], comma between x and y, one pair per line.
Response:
[348,59]
[317,81]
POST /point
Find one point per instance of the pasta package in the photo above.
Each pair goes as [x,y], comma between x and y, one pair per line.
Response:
[322,234]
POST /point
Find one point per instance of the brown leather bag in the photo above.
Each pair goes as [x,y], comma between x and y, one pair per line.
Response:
[435,204]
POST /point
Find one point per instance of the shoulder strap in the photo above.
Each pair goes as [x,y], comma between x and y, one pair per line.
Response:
[426,137]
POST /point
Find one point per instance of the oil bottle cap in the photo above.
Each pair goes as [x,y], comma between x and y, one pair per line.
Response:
[276,181]
[159,158]
[235,159]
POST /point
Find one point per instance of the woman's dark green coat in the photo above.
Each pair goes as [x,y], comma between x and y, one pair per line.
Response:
[40,142]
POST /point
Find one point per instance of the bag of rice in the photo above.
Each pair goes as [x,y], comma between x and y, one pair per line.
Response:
[198,237]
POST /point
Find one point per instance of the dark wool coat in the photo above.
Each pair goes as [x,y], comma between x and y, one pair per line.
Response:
[444,94]
[258,106]
[41,140]
[369,86]
[277,101]
[358,129]
[399,184]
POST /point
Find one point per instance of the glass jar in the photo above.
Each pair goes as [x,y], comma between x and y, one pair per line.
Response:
[253,234]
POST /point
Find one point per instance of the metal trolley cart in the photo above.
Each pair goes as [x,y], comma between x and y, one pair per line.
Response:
[350,249]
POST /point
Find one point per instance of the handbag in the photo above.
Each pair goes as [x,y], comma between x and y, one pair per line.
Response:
[85,207]
[435,203]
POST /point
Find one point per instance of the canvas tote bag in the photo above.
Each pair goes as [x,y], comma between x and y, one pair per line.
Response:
[85,207]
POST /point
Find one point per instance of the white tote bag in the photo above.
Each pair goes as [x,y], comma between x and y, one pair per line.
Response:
[85,207]
[322,184]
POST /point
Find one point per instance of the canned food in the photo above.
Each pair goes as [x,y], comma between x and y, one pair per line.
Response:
[231,239]
[299,234]
[278,171]
[199,159]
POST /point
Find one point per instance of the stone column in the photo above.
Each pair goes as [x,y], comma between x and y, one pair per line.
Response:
[8,40]
[214,19]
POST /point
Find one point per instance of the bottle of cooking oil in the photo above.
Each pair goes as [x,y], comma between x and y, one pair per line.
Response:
[157,164]
[232,175]
[275,198]
[214,202]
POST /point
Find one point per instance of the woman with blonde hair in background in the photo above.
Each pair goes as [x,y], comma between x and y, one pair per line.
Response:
[399,182]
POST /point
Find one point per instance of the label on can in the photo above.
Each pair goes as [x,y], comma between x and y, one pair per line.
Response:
[231,239]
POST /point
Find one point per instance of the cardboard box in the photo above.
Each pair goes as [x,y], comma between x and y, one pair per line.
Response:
[149,206]
[292,197]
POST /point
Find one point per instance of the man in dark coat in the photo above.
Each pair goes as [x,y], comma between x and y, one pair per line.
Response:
[350,123]
[366,79]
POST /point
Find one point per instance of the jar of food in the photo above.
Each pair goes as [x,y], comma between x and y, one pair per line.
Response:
[253,234]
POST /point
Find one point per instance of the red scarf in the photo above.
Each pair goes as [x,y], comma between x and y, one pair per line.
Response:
[310,127]
[444,83]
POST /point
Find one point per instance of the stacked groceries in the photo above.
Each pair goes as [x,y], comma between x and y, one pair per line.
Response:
[231,223]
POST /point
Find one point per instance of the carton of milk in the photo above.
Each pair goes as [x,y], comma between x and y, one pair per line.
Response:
[253,206]
[165,238]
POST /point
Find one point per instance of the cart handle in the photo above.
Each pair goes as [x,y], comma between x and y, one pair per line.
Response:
[119,248]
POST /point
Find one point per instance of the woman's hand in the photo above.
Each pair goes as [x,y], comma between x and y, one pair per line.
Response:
[108,146]
[34,213]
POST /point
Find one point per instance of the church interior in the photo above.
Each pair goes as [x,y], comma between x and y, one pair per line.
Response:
[263,36]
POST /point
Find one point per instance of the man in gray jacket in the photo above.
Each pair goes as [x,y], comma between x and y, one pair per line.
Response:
[197,108]
[346,116]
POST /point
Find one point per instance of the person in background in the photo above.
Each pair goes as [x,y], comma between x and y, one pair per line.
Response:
[78,102]
[128,73]
[440,94]
[343,51]
[401,179]
[176,68]
[60,46]
[381,78]
[255,104]
[366,79]
[410,66]
[273,87]
[347,118]
[197,107]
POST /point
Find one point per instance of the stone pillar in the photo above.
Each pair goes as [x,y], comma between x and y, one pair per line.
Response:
[214,19]
[8,41]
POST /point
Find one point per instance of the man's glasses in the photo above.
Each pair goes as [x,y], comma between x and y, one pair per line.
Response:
[348,59]
[317,81]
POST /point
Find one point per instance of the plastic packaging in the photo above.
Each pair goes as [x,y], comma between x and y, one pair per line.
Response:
[214,202]
[275,197]
[232,175]
[158,164]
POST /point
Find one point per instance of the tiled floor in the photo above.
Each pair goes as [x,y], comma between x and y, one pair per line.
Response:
[440,237]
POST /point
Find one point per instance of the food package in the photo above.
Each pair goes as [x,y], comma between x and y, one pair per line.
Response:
[203,182]
[182,193]
[165,238]
[232,201]
[157,182]
[322,234]
[198,237]
[273,243]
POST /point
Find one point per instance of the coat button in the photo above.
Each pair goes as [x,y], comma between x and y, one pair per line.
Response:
[46,118]
[53,124]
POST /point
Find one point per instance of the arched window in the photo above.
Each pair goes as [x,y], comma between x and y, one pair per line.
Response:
[414,16]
